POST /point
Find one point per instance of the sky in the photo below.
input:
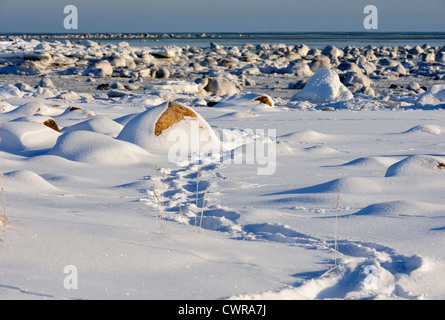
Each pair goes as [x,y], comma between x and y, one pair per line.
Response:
[47,16]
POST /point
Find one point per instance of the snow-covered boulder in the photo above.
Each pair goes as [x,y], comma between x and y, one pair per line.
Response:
[23,136]
[220,86]
[46,82]
[433,96]
[32,108]
[356,81]
[417,165]
[170,125]
[300,69]
[101,69]
[5,106]
[10,91]
[319,62]
[332,52]
[323,87]
[25,181]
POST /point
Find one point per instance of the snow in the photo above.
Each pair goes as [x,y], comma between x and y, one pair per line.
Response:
[99,124]
[96,148]
[103,195]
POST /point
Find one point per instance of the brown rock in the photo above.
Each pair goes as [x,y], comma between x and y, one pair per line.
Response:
[264,100]
[174,113]
[52,124]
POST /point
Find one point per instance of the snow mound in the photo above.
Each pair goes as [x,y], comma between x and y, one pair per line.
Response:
[427,128]
[76,113]
[25,181]
[400,208]
[99,124]
[305,136]
[10,91]
[324,87]
[370,162]
[5,106]
[21,135]
[416,165]
[179,124]
[96,148]
[32,108]
[350,185]
[320,150]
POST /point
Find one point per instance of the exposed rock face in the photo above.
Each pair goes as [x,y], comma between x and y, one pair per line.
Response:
[174,113]
[50,123]
[264,100]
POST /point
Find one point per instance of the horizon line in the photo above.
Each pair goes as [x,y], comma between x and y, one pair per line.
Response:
[200,33]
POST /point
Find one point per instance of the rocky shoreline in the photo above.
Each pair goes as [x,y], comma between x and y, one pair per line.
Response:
[379,77]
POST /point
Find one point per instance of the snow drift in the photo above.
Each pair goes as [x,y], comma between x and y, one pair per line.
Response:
[416,165]
[96,148]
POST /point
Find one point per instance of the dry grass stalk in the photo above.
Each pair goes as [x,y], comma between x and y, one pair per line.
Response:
[197,186]
[197,196]
[159,217]
[202,212]
[3,217]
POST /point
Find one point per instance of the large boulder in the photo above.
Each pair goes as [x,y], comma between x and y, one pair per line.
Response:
[300,69]
[101,69]
[320,62]
[169,127]
[332,52]
[220,86]
[355,81]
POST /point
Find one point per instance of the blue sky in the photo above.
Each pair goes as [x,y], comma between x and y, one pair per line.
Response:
[221,16]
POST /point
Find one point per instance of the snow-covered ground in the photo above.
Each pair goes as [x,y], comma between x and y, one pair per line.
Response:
[344,202]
